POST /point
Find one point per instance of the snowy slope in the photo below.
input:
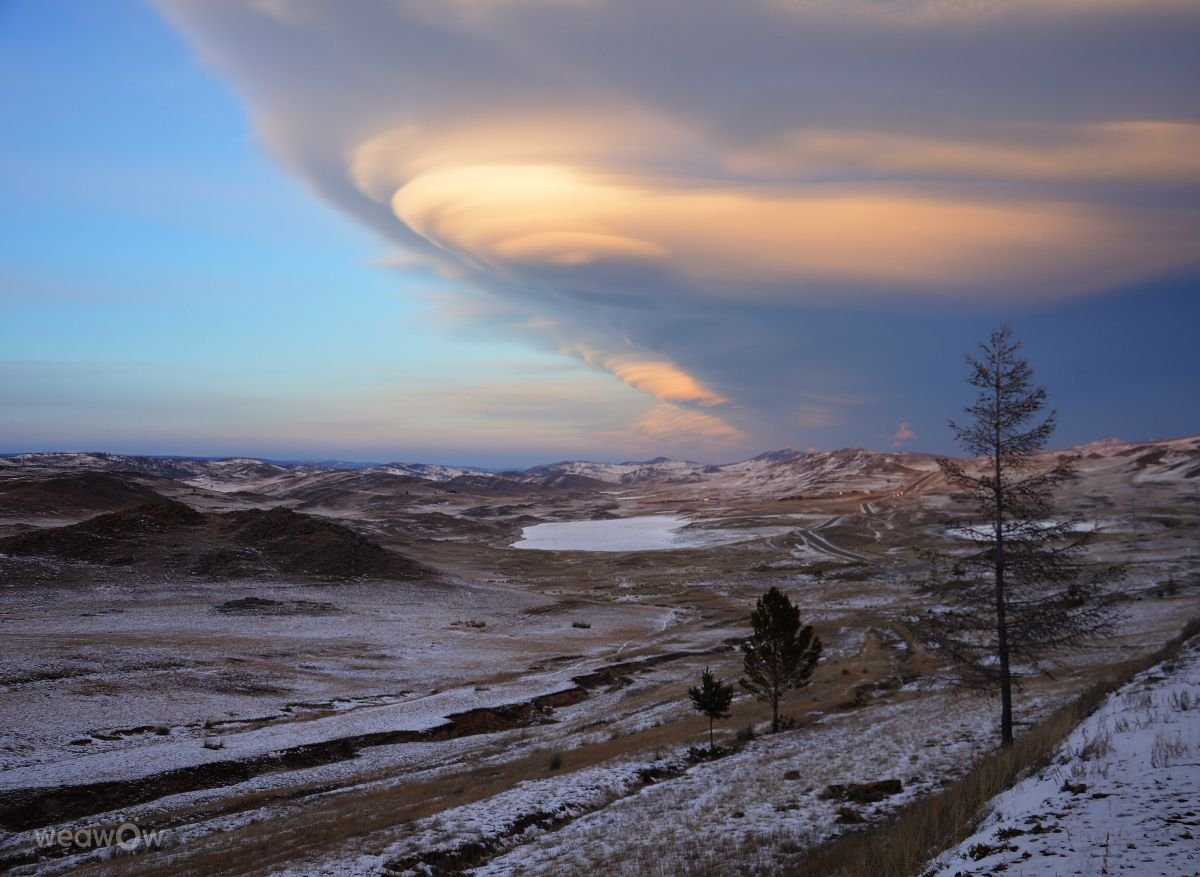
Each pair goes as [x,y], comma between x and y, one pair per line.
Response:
[1161,461]
[658,469]
[1122,795]
[425,471]
[850,470]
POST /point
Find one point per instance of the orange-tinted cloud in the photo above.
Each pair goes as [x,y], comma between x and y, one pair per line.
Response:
[665,190]
[898,242]
[655,376]
[904,433]
[665,421]
[1134,151]
[663,380]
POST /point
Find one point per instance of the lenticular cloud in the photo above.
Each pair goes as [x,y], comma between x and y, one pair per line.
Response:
[637,184]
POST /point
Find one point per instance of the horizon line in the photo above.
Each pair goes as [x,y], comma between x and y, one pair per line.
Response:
[365,464]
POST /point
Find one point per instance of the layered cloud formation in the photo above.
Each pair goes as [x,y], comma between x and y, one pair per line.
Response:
[662,189]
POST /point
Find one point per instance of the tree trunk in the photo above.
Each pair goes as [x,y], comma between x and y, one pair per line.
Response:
[775,712]
[1006,733]
[711,746]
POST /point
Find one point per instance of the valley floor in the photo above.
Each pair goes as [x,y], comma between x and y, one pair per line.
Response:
[525,712]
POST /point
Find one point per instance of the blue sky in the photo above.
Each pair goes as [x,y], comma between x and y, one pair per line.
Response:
[167,288]
[237,228]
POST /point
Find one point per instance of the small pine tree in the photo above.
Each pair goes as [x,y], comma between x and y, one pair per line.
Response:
[780,655]
[712,698]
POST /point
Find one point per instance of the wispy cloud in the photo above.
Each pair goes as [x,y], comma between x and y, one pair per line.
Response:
[669,422]
[904,434]
[1125,151]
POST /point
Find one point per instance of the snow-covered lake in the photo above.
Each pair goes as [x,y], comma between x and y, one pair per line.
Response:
[644,533]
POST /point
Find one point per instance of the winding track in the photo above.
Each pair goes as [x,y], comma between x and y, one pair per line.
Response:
[820,543]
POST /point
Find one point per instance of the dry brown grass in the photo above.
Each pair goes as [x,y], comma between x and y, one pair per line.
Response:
[310,818]
[323,824]
[328,820]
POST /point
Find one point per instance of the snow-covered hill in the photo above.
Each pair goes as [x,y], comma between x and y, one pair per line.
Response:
[783,472]
[658,469]
[1158,461]
[424,471]
[851,470]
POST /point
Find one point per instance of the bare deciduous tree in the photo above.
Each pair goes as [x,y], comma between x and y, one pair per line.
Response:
[1027,591]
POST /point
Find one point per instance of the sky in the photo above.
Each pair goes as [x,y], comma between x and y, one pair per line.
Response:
[504,232]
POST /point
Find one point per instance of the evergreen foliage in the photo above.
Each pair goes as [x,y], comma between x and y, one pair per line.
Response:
[712,698]
[780,655]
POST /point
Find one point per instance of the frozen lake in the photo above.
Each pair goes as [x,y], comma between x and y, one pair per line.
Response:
[645,533]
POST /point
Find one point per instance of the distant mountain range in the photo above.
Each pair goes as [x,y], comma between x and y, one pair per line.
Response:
[852,469]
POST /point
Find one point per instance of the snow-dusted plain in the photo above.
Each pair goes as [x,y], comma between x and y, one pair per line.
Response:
[124,673]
